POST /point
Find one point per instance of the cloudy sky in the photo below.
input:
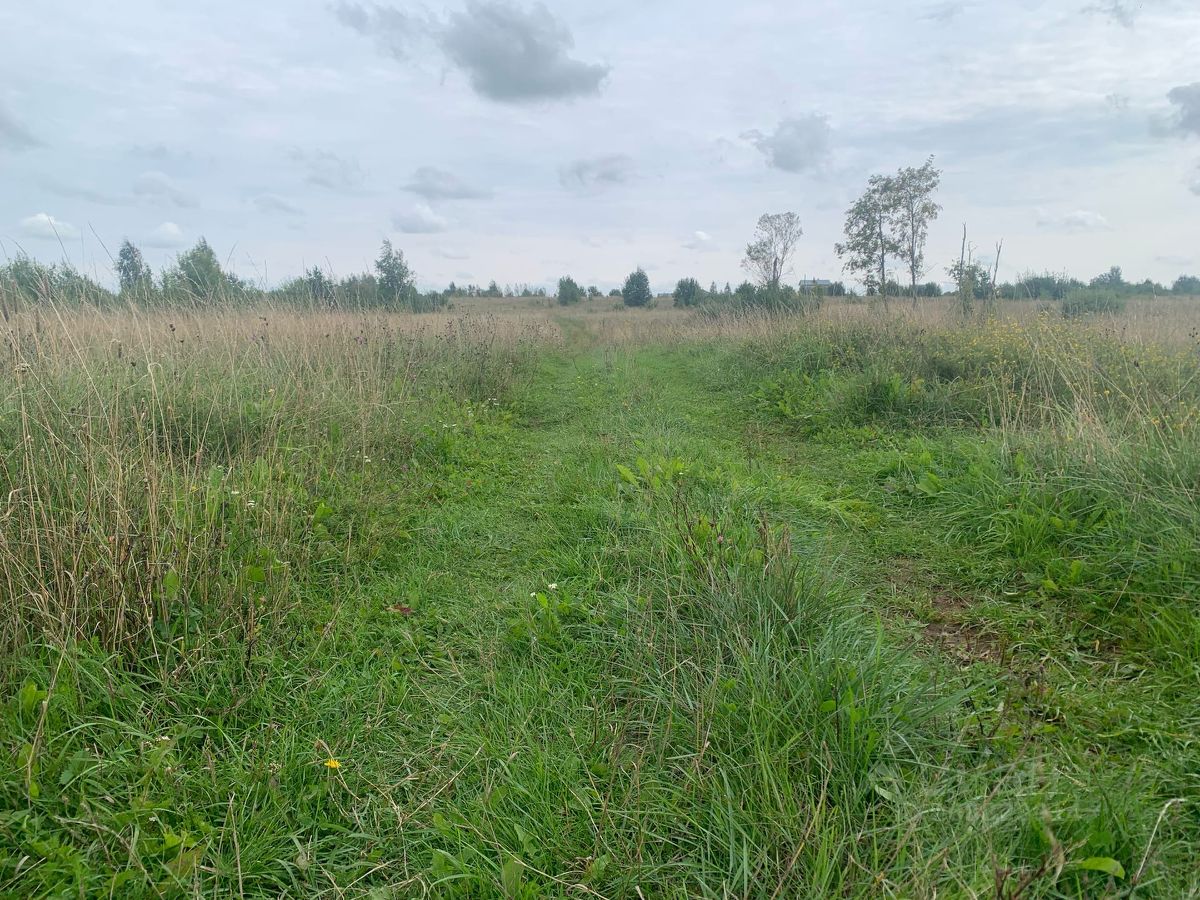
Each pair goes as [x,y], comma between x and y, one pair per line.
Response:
[520,142]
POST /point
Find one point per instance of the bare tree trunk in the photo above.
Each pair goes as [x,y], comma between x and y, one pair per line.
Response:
[963,303]
[882,264]
[995,274]
[912,255]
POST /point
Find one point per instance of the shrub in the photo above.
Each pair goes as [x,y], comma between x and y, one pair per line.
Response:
[1091,302]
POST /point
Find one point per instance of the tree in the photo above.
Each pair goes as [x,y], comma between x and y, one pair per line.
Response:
[394,277]
[1113,278]
[319,287]
[869,240]
[197,274]
[912,209]
[637,288]
[768,255]
[593,292]
[1186,284]
[688,292]
[568,291]
[974,280]
[132,272]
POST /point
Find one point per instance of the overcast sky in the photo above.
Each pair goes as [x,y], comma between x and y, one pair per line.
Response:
[521,142]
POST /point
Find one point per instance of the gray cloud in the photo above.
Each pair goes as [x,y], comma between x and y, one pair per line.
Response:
[797,144]
[433,183]
[1077,220]
[158,187]
[944,12]
[14,135]
[272,203]
[74,192]
[45,227]
[701,241]
[508,54]
[447,253]
[328,170]
[421,219]
[1194,182]
[511,55]
[395,32]
[1175,259]
[1117,102]
[598,172]
[1117,11]
[1187,116]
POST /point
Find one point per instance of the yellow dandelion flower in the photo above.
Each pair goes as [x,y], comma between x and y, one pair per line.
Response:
[332,763]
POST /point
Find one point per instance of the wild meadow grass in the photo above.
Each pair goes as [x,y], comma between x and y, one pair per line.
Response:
[614,604]
[158,468]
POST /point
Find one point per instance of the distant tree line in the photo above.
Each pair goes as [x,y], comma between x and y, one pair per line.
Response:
[197,279]
[886,231]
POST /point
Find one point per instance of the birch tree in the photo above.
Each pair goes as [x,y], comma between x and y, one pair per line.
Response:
[869,235]
[912,208]
[768,255]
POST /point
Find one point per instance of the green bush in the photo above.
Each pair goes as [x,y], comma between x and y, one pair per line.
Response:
[1091,302]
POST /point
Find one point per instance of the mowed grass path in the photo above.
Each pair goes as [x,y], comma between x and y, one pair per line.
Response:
[571,674]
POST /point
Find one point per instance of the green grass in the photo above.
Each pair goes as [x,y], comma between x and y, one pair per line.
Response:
[640,630]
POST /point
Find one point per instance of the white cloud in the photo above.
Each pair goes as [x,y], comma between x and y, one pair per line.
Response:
[701,240]
[45,227]
[420,219]
[167,236]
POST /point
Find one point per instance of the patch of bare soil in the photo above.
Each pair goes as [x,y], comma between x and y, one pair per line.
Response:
[966,642]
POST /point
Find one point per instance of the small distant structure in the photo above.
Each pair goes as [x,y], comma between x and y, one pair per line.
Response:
[811,284]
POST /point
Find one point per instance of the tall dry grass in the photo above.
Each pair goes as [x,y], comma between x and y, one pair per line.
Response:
[160,467]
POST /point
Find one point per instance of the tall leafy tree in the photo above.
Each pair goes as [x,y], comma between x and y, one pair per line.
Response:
[688,292]
[569,292]
[869,235]
[1186,284]
[394,277]
[320,287]
[637,288]
[768,254]
[912,209]
[197,275]
[132,272]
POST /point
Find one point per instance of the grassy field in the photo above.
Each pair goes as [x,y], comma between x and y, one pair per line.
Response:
[514,601]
